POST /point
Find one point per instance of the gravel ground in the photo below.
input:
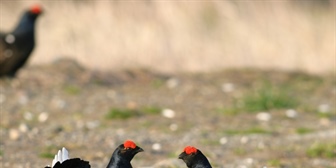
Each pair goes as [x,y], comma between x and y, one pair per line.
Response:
[64,104]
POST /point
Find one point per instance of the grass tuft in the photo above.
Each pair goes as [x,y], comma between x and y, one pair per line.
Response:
[326,150]
[151,110]
[72,90]
[116,113]
[255,130]
[302,130]
[47,155]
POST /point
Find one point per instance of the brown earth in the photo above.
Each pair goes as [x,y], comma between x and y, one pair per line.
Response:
[64,104]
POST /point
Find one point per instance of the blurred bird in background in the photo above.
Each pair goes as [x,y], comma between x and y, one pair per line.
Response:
[16,46]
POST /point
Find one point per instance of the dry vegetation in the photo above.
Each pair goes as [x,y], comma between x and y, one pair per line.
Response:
[239,117]
[174,36]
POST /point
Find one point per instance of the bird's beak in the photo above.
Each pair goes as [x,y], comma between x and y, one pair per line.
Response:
[139,149]
[182,155]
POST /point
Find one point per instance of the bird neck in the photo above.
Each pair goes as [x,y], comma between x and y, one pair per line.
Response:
[200,162]
[26,25]
[118,162]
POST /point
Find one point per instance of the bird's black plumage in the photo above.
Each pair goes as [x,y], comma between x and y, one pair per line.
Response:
[121,158]
[123,154]
[72,163]
[16,46]
[194,158]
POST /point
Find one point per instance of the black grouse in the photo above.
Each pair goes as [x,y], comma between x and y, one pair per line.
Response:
[121,157]
[16,46]
[194,158]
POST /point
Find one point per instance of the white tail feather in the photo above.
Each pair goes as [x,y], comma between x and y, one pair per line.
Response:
[65,154]
[61,156]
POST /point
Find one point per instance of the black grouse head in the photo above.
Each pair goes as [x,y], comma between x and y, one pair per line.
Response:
[27,22]
[194,158]
[128,150]
[34,11]
[123,155]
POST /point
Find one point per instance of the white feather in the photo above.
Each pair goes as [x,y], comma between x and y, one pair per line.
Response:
[65,154]
[61,156]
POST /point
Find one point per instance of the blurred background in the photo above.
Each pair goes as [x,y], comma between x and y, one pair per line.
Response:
[249,83]
[171,36]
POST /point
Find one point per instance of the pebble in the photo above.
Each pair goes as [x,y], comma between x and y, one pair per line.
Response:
[43,117]
[92,124]
[23,128]
[324,121]
[223,140]
[263,116]
[228,87]
[261,145]
[156,146]
[244,139]
[2,98]
[291,113]
[111,94]
[172,83]
[28,116]
[14,134]
[173,127]
[168,113]
[249,161]
[324,108]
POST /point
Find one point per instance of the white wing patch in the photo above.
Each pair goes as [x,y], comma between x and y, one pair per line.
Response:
[10,38]
[61,156]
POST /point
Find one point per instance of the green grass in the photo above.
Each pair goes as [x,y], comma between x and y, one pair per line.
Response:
[240,151]
[157,83]
[325,150]
[151,110]
[72,90]
[303,130]
[267,98]
[255,130]
[264,97]
[228,111]
[274,163]
[48,152]
[1,153]
[117,113]
[47,155]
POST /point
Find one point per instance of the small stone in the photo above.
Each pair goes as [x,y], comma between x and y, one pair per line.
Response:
[60,104]
[23,128]
[2,98]
[249,161]
[324,108]
[324,121]
[228,87]
[223,140]
[92,124]
[43,117]
[172,83]
[168,113]
[263,116]
[291,113]
[173,127]
[28,116]
[261,145]
[111,94]
[156,146]
[132,105]
[244,140]
[14,134]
